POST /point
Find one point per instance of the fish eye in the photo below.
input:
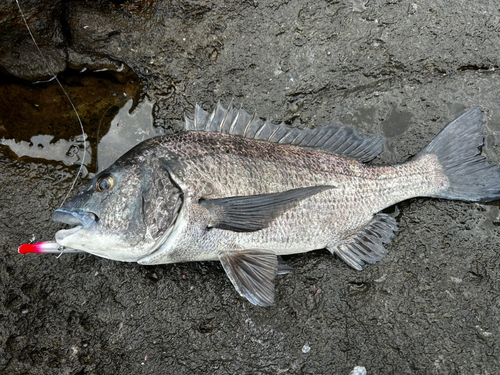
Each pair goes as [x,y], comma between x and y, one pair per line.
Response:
[104,183]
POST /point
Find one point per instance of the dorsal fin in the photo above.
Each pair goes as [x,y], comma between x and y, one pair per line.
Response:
[336,139]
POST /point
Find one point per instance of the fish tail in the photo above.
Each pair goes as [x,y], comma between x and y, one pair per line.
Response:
[458,149]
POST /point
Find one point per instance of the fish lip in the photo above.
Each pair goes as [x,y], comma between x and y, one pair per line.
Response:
[82,219]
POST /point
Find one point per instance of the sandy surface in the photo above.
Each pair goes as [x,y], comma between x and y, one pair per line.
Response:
[397,68]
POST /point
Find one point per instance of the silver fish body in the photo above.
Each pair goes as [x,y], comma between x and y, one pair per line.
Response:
[353,193]
[236,189]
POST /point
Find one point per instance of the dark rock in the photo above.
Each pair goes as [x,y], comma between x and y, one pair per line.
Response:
[395,68]
[18,54]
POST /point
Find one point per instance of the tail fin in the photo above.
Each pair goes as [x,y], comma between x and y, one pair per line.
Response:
[458,148]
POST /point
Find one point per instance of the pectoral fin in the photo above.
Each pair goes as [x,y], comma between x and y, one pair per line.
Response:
[255,212]
[252,273]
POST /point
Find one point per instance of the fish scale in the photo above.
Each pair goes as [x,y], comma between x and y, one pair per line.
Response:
[364,194]
[244,191]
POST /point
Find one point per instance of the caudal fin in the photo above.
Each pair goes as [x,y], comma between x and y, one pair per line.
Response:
[458,148]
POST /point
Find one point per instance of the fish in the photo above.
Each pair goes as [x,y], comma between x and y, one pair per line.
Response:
[237,189]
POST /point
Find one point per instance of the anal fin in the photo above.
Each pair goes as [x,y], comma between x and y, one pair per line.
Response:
[283,268]
[252,273]
[367,245]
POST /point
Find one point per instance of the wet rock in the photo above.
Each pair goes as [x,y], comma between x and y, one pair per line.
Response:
[398,69]
[18,55]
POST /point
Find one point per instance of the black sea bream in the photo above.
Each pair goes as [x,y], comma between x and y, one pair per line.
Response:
[243,191]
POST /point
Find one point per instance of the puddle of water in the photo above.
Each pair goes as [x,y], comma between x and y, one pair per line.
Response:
[41,147]
[41,123]
[127,130]
[359,117]
[397,123]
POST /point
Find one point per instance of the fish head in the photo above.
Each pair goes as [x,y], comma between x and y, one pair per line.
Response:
[123,213]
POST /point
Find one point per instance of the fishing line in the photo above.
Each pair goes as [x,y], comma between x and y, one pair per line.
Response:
[67,96]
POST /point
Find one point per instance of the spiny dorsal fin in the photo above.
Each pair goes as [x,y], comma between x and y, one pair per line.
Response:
[367,246]
[335,139]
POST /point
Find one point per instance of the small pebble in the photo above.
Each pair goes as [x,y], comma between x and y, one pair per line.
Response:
[358,370]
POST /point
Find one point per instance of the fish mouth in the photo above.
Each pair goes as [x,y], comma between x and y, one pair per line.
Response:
[82,219]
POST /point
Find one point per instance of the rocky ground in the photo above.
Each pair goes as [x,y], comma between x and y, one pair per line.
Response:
[399,69]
